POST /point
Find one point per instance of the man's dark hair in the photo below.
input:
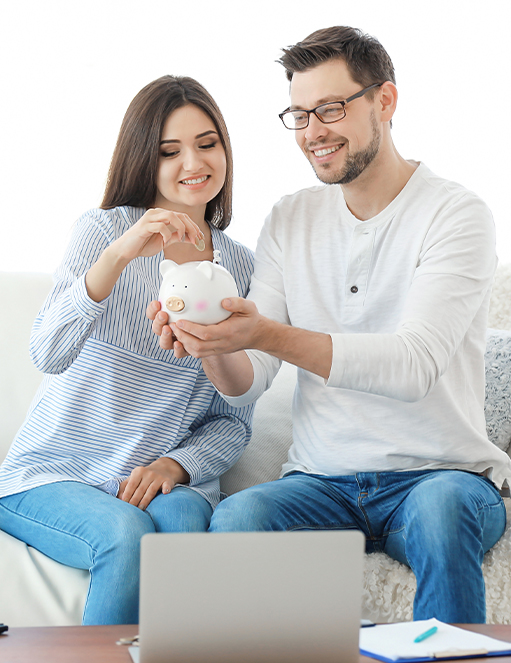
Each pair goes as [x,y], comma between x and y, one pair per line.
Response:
[367,61]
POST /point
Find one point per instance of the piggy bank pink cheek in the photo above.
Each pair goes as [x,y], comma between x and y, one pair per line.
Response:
[202,305]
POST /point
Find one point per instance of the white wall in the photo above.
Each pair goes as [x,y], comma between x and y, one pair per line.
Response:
[69,70]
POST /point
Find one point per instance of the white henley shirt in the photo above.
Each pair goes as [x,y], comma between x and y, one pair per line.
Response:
[404,297]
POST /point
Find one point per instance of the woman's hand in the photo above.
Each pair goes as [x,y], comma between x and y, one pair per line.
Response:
[145,483]
[155,230]
[161,327]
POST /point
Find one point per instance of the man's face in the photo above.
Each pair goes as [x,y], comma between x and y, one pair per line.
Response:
[339,152]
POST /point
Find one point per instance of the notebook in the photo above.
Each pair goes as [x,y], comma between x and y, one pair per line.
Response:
[251,597]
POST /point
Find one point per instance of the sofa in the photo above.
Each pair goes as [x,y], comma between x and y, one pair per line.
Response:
[37,591]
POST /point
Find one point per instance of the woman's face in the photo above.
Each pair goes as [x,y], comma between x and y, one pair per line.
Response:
[192,163]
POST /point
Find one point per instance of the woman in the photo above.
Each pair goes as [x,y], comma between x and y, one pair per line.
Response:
[123,438]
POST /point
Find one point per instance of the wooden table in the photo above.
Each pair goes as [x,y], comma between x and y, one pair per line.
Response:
[66,644]
[96,644]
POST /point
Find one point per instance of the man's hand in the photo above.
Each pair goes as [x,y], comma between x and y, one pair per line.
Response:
[232,373]
[219,345]
[145,483]
[241,331]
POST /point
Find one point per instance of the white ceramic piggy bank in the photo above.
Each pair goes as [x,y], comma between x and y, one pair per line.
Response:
[194,291]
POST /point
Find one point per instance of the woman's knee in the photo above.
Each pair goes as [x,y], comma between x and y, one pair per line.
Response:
[124,526]
[181,510]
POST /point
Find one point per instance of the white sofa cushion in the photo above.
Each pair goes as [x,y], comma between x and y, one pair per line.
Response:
[34,589]
[21,297]
[37,591]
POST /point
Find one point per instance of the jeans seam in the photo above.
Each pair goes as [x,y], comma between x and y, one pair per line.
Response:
[498,505]
[50,527]
[370,534]
[321,527]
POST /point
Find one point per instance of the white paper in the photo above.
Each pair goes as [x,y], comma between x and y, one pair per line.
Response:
[396,641]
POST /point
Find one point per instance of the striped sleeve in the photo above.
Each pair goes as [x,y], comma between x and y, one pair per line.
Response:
[69,315]
[215,441]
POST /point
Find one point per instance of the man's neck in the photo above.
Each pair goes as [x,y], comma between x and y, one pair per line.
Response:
[378,185]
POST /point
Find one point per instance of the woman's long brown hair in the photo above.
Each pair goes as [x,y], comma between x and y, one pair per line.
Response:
[134,166]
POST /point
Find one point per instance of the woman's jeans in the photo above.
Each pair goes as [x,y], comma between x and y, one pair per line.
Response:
[439,523]
[86,528]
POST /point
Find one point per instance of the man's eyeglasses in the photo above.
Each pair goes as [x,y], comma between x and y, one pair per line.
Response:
[326,113]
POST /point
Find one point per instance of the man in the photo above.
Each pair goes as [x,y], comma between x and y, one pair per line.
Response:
[377,287]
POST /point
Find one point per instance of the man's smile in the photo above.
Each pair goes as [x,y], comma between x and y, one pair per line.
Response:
[322,152]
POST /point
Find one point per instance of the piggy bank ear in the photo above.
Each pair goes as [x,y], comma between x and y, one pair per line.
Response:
[165,265]
[206,268]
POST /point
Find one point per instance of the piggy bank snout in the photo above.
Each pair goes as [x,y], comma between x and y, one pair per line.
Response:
[174,304]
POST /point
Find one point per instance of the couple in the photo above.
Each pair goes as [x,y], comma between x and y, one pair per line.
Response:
[377,288]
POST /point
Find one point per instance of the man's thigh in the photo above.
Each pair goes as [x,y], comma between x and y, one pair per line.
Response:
[443,511]
[296,502]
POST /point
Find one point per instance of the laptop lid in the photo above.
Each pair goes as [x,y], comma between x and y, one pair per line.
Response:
[251,597]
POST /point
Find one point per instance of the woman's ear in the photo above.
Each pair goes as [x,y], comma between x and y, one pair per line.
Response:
[387,101]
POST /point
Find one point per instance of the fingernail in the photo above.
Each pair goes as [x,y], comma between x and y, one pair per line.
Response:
[200,244]
[165,331]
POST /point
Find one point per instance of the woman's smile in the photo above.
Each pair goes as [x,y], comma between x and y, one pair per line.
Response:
[192,164]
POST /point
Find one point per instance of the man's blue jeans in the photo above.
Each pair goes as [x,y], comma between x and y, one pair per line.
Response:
[83,527]
[439,523]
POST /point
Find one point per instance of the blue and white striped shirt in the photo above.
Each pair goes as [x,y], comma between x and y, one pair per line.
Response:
[112,399]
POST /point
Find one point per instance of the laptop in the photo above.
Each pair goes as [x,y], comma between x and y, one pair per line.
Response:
[249,597]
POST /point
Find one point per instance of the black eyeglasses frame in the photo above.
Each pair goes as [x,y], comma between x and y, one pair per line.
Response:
[343,103]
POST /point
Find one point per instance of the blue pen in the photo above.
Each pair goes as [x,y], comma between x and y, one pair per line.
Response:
[426,634]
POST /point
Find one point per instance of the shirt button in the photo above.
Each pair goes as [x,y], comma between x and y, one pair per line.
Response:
[354,289]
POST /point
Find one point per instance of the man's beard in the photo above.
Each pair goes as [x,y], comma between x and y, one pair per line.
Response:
[356,163]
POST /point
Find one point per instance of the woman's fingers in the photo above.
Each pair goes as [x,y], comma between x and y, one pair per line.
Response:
[176,226]
[145,483]
[141,488]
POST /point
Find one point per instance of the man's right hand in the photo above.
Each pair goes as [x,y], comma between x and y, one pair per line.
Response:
[224,371]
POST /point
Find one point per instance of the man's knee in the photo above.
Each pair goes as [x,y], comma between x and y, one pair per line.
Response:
[246,511]
[453,508]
